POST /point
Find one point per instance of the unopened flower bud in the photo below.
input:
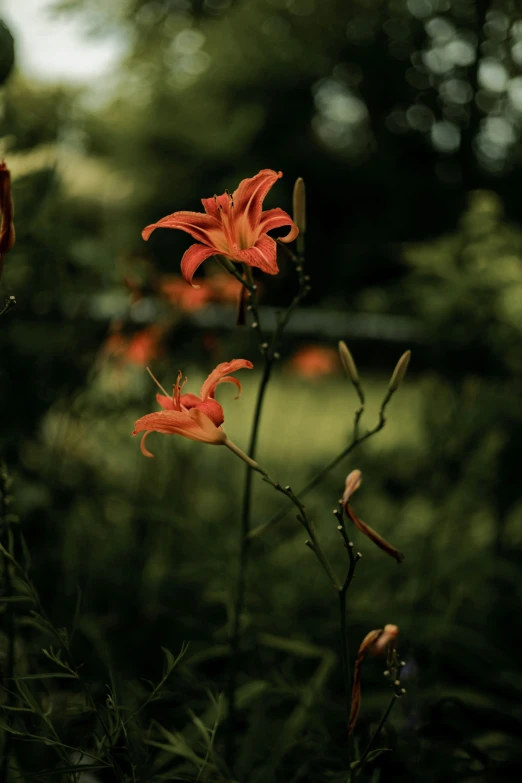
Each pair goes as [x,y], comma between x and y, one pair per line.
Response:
[299,205]
[399,371]
[348,362]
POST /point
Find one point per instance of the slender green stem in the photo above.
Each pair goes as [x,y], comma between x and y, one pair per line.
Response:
[10,302]
[235,636]
[375,736]
[356,441]
[345,649]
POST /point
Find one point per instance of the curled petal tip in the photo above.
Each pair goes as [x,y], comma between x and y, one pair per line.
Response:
[353,482]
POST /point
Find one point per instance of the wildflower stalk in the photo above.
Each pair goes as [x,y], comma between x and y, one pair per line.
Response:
[345,650]
[270,355]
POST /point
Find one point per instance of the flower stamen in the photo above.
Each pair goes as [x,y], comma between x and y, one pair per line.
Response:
[157,382]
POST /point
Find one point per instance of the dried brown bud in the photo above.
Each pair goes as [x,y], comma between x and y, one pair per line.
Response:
[375,642]
[353,482]
[7,232]
[399,371]
[348,362]
[299,205]
[372,534]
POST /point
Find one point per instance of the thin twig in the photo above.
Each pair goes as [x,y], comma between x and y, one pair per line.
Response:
[356,441]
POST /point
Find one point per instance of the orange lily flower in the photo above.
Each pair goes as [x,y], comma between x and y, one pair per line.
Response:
[234,226]
[197,418]
[376,643]
[353,482]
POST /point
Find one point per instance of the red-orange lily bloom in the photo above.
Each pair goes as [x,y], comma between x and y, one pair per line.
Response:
[234,226]
[198,418]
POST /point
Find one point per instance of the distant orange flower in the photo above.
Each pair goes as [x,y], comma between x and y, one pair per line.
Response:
[140,348]
[234,226]
[186,298]
[7,232]
[376,642]
[225,288]
[312,361]
[353,482]
[197,418]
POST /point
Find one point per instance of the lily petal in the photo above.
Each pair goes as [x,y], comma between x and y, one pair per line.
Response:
[193,258]
[187,401]
[213,410]
[211,205]
[222,370]
[214,435]
[373,535]
[263,255]
[249,196]
[192,424]
[197,224]
[144,449]
[275,218]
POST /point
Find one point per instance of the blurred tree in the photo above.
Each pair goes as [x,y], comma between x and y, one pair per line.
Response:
[6,52]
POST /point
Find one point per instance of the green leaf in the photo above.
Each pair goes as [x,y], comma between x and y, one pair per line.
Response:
[47,676]
[170,661]
[16,599]
[372,755]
